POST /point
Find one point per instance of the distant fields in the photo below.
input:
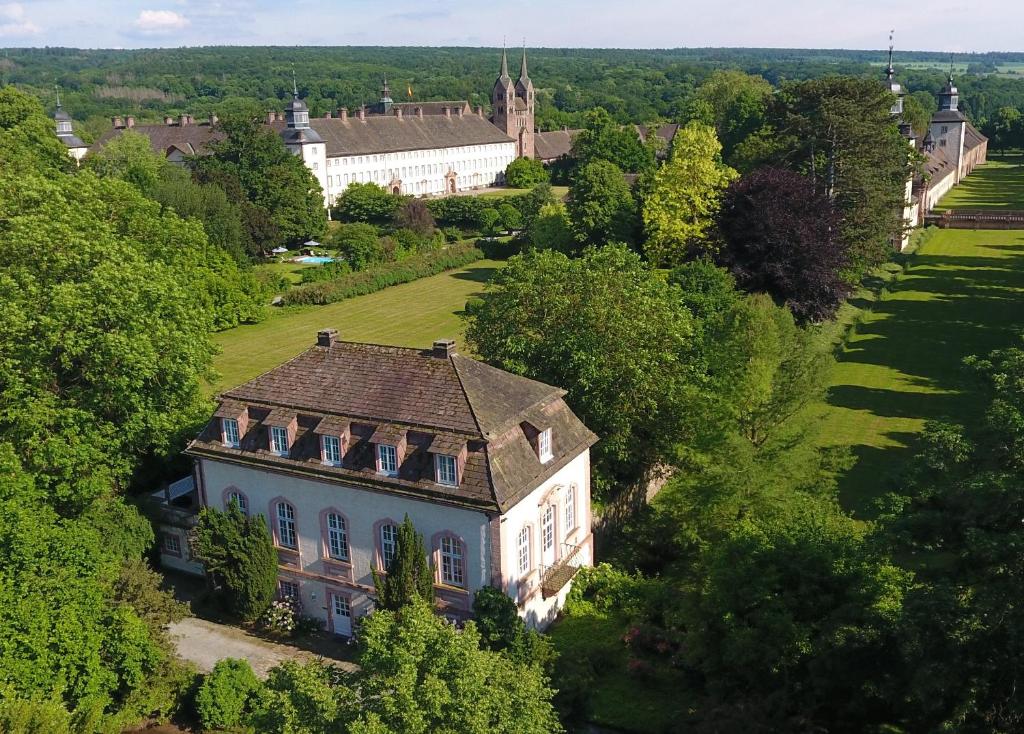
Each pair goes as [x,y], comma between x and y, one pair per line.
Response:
[412,314]
[962,295]
[997,185]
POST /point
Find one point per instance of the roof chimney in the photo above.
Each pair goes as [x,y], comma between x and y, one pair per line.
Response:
[326,337]
[461,110]
[398,112]
[343,113]
[129,121]
[168,120]
[271,117]
[447,112]
[328,115]
[117,122]
[443,348]
[183,120]
[362,112]
[419,112]
[213,119]
[479,111]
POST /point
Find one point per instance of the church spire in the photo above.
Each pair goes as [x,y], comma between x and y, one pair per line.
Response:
[523,75]
[889,71]
[504,64]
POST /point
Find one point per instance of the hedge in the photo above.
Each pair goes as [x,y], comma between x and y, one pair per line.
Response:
[381,276]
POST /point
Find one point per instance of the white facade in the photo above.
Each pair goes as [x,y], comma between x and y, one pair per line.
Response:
[329,587]
[429,172]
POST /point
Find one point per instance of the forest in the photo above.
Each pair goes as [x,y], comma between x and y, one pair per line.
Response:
[638,86]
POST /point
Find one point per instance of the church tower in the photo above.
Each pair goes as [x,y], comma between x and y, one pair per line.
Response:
[949,126]
[513,106]
[66,134]
[302,140]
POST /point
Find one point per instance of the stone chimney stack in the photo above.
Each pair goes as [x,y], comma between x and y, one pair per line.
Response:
[443,348]
[419,112]
[362,112]
[448,112]
[168,120]
[326,337]
[328,115]
[129,121]
[461,110]
[480,111]
[213,119]
[343,113]
[271,117]
[117,122]
[183,120]
[398,112]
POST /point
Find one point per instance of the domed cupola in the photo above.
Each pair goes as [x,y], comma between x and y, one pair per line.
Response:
[296,114]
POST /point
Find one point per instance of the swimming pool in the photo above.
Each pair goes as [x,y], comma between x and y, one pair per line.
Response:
[314,260]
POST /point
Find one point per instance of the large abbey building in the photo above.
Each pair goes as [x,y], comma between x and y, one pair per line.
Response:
[417,148]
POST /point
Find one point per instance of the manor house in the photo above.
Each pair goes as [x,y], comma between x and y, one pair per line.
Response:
[417,148]
[336,446]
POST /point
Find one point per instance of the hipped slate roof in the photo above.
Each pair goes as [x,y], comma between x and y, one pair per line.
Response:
[375,134]
[437,403]
[973,138]
[554,144]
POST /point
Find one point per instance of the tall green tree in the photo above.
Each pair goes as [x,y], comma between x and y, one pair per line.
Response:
[684,200]
[409,576]
[734,103]
[240,559]
[421,674]
[840,133]
[603,139]
[129,157]
[611,332]
[272,178]
[601,206]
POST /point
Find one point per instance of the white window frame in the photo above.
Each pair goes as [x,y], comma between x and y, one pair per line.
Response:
[285,519]
[288,589]
[330,450]
[172,544]
[547,528]
[229,432]
[524,559]
[453,567]
[569,509]
[388,545]
[337,537]
[544,445]
[446,470]
[387,460]
[279,440]
[241,500]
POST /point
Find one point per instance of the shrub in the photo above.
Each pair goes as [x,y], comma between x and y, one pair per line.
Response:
[452,234]
[489,219]
[359,243]
[377,278]
[327,271]
[460,211]
[281,617]
[510,217]
[523,173]
[366,202]
[415,215]
[223,696]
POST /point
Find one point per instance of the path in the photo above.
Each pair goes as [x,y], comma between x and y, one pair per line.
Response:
[962,295]
[204,643]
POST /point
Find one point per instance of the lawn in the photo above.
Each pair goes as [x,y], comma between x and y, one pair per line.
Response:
[997,185]
[962,295]
[560,192]
[411,314]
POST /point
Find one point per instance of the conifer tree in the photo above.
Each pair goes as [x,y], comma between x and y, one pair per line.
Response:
[409,575]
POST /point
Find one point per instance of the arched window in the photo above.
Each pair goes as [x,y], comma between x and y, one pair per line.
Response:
[453,562]
[239,499]
[569,509]
[285,516]
[337,536]
[388,543]
[525,562]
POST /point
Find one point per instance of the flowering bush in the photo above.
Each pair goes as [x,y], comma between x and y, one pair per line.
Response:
[281,616]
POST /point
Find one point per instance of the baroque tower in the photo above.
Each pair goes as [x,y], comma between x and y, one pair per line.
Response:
[513,106]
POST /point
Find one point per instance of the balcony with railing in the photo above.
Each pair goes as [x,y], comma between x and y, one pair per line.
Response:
[553,578]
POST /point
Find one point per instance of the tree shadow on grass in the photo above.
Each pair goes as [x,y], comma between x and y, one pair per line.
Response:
[477,275]
[875,473]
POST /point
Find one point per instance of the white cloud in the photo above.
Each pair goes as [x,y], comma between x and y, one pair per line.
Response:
[159,22]
[14,21]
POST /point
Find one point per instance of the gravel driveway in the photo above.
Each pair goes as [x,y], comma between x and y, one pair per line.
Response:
[204,643]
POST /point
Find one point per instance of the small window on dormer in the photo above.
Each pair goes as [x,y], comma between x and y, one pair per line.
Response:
[447,470]
[229,430]
[544,445]
[279,440]
[331,450]
[387,460]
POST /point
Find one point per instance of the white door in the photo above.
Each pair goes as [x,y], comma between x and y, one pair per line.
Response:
[547,536]
[341,616]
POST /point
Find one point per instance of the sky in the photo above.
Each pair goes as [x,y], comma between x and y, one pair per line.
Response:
[939,25]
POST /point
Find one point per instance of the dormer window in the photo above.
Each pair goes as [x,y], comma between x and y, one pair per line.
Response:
[279,440]
[446,470]
[229,432]
[544,445]
[331,450]
[387,460]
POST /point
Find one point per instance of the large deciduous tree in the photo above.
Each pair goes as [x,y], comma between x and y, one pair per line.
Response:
[611,332]
[780,236]
[682,204]
[603,139]
[734,103]
[839,131]
[601,205]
